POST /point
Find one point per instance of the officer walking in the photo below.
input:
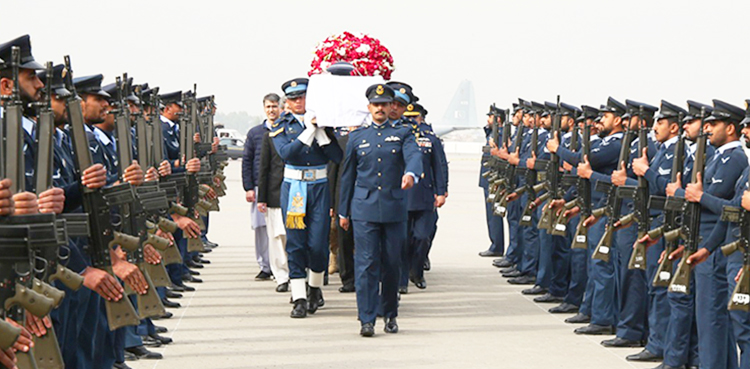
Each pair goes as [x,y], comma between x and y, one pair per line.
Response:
[382,160]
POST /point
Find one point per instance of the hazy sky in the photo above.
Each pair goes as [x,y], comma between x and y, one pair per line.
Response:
[241,50]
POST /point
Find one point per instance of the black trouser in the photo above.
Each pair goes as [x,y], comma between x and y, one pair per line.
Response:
[346,255]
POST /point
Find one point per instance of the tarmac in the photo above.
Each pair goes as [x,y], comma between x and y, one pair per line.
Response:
[468,317]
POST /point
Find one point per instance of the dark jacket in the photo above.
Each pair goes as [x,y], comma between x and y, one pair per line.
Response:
[334,175]
[270,173]
[251,156]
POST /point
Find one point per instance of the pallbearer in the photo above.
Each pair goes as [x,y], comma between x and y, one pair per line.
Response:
[305,199]
[382,160]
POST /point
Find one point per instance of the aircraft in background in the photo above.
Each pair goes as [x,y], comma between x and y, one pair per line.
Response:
[461,113]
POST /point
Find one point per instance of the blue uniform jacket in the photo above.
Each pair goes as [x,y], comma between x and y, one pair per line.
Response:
[721,234]
[294,152]
[377,156]
[422,195]
[720,177]
[171,136]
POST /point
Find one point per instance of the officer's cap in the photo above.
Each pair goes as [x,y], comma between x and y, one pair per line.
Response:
[492,110]
[57,84]
[746,121]
[295,87]
[588,112]
[634,108]
[524,105]
[172,98]
[90,85]
[694,110]
[402,92]
[379,93]
[614,106]
[669,110]
[416,109]
[725,112]
[537,108]
[27,60]
[569,110]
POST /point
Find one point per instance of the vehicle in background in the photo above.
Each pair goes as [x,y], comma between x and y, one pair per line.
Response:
[234,147]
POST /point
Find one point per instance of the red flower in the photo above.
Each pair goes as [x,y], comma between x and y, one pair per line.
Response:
[368,56]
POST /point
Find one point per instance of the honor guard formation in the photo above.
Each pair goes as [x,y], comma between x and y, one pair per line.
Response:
[631,218]
[104,208]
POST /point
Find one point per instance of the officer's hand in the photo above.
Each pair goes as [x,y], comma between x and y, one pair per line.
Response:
[513,158]
[662,256]
[8,359]
[567,166]
[197,137]
[166,235]
[344,223]
[211,194]
[439,201]
[584,168]
[94,176]
[591,220]
[150,255]
[640,164]
[102,283]
[699,256]
[6,198]
[25,340]
[25,203]
[513,196]
[131,275]
[37,326]
[262,207]
[572,212]
[492,143]
[620,176]
[495,151]
[407,182]
[553,143]
[746,200]
[674,186]
[133,174]
[165,168]
[152,174]
[531,161]
[52,201]
[188,226]
[215,145]
[646,240]
[677,253]
[694,191]
[503,153]
[193,165]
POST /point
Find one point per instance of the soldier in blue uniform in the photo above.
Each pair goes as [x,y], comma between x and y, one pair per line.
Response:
[382,160]
[305,199]
[658,173]
[711,288]
[423,200]
[601,287]
[515,247]
[632,328]
[494,223]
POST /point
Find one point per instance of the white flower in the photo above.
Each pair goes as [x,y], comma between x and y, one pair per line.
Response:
[364,49]
[341,51]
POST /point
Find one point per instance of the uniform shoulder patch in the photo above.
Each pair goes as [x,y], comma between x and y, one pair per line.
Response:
[276,132]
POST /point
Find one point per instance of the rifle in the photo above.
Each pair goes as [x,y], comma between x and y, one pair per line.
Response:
[551,172]
[740,299]
[531,187]
[670,230]
[640,195]
[689,231]
[567,180]
[614,203]
[187,150]
[97,204]
[511,177]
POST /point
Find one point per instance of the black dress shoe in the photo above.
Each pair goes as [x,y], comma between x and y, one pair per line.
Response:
[150,342]
[548,298]
[367,330]
[536,290]
[143,353]
[121,365]
[203,261]
[187,288]
[421,284]
[210,244]
[314,296]
[524,279]
[390,325]
[128,357]
[645,356]
[488,253]
[194,265]
[263,276]
[347,288]
[665,366]
[564,308]
[166,315]
[427,266]
[300,309]
[512,274]
[163,340]
[621,342]
[403,290]
[172,295]
[284,287]
[189,278]
[595,330]
[579,318]
[193,272]
[503,263]
[159,329]
[170,304]
[177,288]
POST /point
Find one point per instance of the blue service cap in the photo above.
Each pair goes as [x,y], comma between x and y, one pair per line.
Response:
[549,107]
[634,108]
[614,106]
[491,110]
[27,60]
[403,93]
[725,112]
[588,112]
[746,121]
[524,105]
[669,110]
[694,110]
[295,87]
[379,93]
[57,83]
[91,85]
[537,108]
[569,110]
[172,98]
[416,109]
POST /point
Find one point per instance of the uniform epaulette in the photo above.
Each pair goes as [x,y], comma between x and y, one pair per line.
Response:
[361,128]
[276,132]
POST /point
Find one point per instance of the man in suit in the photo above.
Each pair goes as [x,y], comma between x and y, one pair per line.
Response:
[344,237]
[382,160]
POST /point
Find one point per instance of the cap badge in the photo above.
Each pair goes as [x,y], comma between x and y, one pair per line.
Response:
[410,107]
[293,84]
[402,90]
[379,90]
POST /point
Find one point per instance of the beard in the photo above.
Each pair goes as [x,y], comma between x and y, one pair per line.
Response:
[29,108]
[604,133]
